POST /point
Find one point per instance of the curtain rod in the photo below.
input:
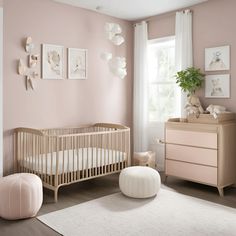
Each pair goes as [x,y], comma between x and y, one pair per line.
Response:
[139,23]
[170,13]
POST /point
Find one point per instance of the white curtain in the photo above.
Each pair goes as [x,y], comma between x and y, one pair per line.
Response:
[183,48]
[140,111]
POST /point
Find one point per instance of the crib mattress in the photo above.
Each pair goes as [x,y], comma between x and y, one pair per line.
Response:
[73,160]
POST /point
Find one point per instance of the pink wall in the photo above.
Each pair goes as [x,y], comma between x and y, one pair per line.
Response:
[1,2]
[59,103]
[213,25]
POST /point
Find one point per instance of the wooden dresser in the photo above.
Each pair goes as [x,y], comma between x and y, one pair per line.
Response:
[204,153]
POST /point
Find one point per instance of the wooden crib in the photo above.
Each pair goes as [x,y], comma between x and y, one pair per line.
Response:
[68,155]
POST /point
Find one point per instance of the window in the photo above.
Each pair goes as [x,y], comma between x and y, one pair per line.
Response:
[164,93]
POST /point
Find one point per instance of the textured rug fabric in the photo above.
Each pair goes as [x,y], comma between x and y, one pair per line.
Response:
[168,214]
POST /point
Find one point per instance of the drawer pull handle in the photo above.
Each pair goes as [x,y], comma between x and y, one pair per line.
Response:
[160,141]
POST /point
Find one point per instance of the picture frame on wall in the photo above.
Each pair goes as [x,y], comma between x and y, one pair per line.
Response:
[217,58]
[217,86]
[77,63]
[52,61]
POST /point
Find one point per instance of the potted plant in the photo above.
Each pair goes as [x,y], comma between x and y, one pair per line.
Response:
[190,80]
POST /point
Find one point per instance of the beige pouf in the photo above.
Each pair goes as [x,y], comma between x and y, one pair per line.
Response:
[144,159]
[139,182]
[21,196]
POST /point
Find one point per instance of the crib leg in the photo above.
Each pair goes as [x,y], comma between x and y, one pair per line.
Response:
[55,195]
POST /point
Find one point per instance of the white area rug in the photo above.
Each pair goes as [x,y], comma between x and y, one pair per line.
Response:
[168,214]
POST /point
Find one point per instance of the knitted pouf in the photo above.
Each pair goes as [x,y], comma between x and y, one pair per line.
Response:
[21,196]
[139,182]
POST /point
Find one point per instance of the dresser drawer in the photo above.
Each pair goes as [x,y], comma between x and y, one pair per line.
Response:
[191,138]
[188,171]
[192,154]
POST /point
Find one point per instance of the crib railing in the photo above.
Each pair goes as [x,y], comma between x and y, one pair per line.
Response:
[63,156]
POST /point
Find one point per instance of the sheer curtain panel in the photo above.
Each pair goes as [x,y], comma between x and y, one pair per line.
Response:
[183,49]
[140,112]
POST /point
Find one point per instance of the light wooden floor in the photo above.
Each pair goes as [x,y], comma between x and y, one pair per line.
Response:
[92,189]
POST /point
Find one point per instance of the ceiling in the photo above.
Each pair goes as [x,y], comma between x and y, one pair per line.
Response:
[132,9]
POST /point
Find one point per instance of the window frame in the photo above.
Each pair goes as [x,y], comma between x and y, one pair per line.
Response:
[155,41]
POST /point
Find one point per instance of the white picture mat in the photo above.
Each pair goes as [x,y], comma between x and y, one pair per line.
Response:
[217,58]
[1,82]
[217,86]
[52,71]
[77,63]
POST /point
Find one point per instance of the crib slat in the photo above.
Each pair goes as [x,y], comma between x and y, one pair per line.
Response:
[116,161]
[108,151]
[25,153]
[33,154]
[67,157]
[42,155]
[112,154]
[92,150]
[78,158]
[119,144]
[41,151]
[51,165]
[73,148]
[96,156]
[87,159]
[124,149]
[101,155]
[82,142]
[47,159]
[63,160]
[57,162]
[37,154]
[105,153]
[18,152]
[15,151]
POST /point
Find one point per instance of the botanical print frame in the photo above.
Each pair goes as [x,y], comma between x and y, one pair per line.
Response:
[52,61]
[217,59]
[217,86]
[77,63]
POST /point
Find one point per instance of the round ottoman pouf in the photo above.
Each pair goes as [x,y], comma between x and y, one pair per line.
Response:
[139,182]
[21,196]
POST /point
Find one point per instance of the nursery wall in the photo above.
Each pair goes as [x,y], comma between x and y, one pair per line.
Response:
[213,25]
[59,103]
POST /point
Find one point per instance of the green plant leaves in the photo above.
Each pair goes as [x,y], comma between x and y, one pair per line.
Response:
[190,80]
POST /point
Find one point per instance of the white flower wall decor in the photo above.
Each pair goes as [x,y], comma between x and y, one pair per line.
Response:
[113,32]
[117,65]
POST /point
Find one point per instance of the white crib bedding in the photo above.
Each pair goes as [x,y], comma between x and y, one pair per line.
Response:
[84,158]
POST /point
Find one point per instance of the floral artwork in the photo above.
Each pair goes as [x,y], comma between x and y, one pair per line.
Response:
[52,61]
[217,58]
[77,63]
[217,86]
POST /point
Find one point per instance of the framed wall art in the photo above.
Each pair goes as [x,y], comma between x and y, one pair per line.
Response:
[77,63]
[217,58]
[52,61]
[217,86]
